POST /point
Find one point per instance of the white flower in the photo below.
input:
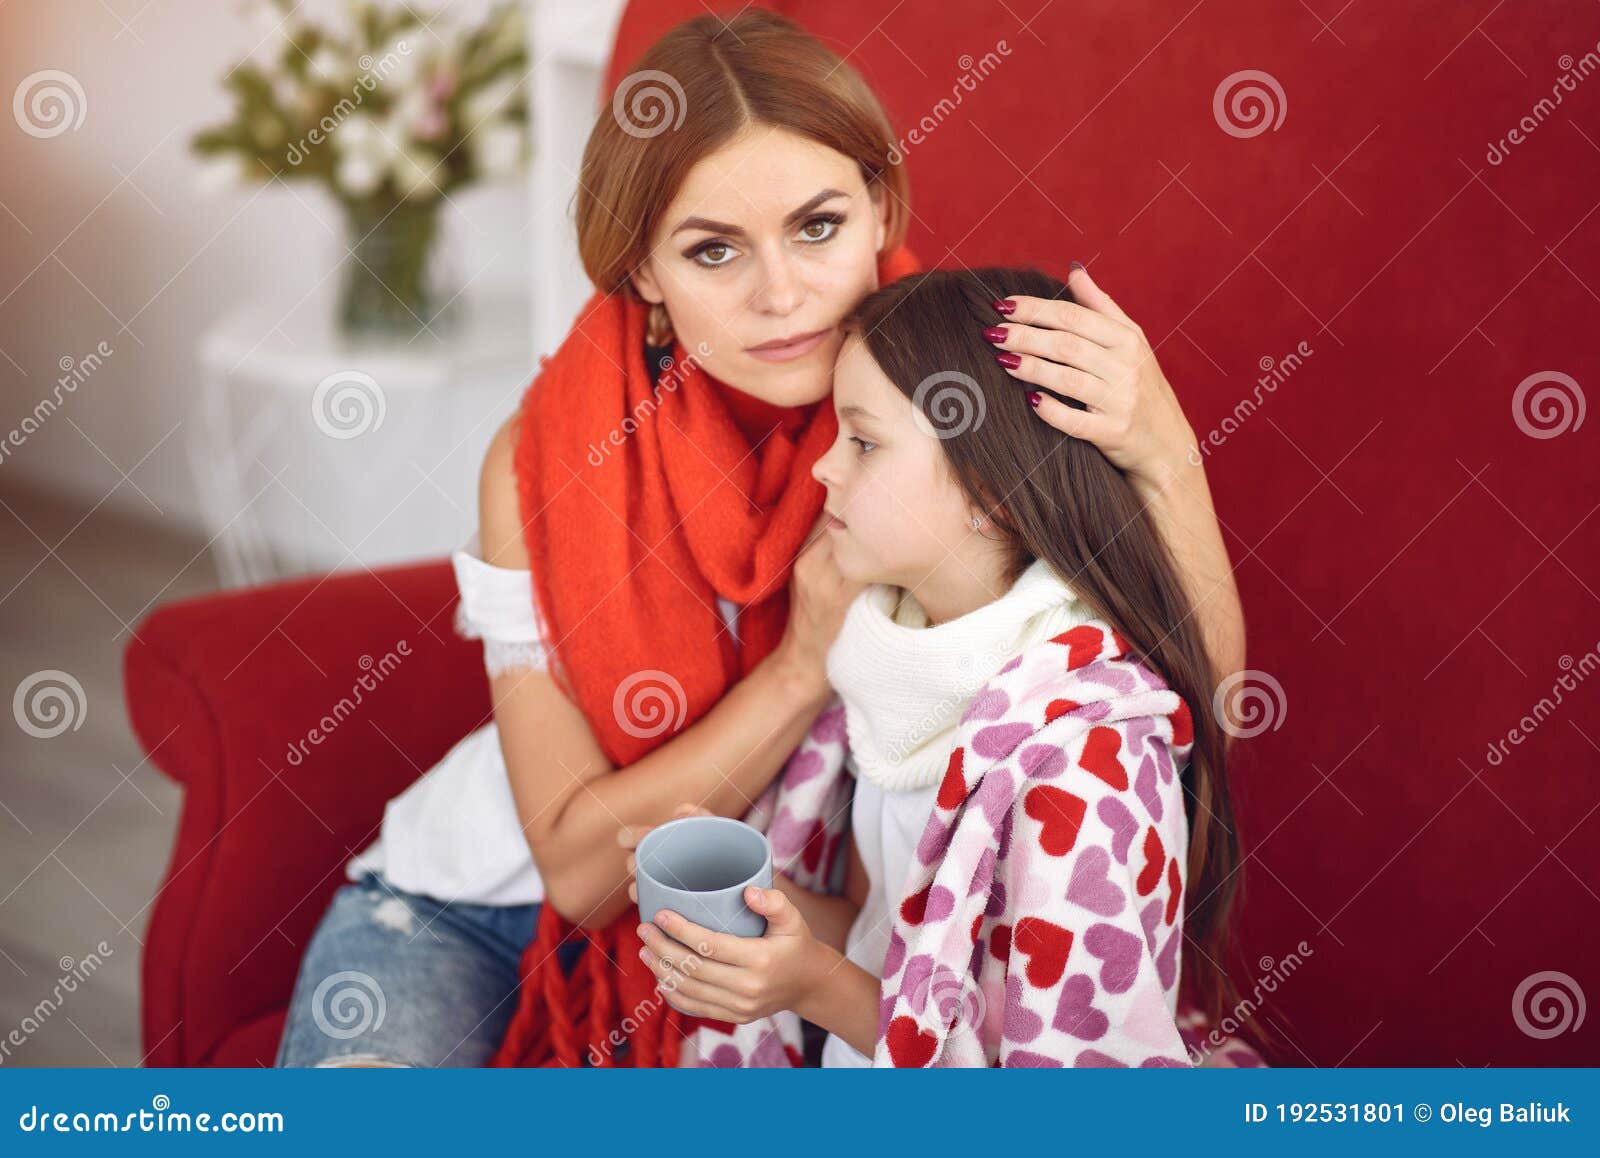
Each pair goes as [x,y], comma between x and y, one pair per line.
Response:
[219,174]
[286,92]
[414,174]
[328,66]
[398,62]
[358,175]
[497,149]
[361,136]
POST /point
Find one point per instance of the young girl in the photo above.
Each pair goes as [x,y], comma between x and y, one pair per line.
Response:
[1015,694]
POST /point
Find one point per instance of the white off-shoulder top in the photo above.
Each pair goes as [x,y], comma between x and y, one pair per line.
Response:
[454,833]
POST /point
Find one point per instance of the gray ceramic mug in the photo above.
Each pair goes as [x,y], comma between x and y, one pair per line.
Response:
[699,867]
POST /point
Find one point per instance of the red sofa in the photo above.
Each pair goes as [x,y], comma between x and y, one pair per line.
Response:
[1415,563]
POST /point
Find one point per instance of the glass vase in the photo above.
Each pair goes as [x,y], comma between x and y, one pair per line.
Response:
[396,281]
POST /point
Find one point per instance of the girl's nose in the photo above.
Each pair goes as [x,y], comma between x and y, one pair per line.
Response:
[822,470]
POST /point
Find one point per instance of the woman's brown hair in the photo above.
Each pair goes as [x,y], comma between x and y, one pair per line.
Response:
[1060,499]
[692,92]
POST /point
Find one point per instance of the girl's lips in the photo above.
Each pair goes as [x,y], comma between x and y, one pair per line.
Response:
[790,351]
[834,523]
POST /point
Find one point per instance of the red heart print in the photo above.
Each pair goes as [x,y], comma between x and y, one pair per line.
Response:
[1046,946]
[1055,709]
[1083,644]
[1000,942]
[1100,757]
[953,788]
[1182,726]
[811,854]
[1155,859]
[914,906]
[910,1046]
[1174,889]
[1060,813]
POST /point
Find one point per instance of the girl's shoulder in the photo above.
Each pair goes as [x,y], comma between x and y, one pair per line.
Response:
[1059,690]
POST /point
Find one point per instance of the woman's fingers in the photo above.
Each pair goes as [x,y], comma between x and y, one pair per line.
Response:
[1070,420]
[1068,380]
[1067,317]
[1085,289]
[629,835]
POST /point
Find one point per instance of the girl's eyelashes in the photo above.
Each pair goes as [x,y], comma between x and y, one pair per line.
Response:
[715,253]
[862,444]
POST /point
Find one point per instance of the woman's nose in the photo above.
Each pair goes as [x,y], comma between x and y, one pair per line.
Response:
[782,291]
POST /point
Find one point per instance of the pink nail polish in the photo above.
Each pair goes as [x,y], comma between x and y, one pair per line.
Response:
[1033,399]
[1005,306]
[994,334]
[1009,360]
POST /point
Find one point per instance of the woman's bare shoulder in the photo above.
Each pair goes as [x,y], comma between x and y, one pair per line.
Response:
[499,509]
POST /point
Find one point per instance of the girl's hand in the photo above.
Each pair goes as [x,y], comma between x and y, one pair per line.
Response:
[736,979]
[1095,353]
[629,836]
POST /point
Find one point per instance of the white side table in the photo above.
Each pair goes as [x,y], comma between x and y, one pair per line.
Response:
[315,453]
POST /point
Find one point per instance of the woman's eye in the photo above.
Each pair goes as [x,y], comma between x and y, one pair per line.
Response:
[821,228]
[712,255]
[863,445]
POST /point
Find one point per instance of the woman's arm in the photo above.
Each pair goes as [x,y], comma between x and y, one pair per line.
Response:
[572,801]
[1182,513]
[1090,350]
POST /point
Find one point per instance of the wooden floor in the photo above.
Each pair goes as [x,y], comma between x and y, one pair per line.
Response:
[85,826]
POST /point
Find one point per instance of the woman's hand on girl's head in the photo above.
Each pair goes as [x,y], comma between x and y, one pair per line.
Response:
[737,979]
[1091,351]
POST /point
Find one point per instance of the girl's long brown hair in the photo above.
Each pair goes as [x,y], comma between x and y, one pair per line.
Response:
[1058,498]
[690,94]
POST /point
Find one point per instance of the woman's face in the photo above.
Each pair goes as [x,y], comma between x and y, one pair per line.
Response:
[772,238]
[905,519]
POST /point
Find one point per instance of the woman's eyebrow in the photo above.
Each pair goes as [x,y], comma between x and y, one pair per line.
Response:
[709,226]
[851,410]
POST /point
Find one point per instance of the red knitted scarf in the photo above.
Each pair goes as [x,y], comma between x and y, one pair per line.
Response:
[641,503]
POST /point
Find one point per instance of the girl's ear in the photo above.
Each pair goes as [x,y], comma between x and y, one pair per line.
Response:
[644,281]
[880,212]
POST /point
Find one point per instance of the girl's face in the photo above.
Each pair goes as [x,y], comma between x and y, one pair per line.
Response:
[769,243]
[899,515]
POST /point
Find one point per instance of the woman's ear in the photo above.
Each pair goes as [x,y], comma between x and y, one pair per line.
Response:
[880,208]
[644,282]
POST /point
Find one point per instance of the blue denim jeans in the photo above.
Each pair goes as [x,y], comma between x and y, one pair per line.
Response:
[393,978]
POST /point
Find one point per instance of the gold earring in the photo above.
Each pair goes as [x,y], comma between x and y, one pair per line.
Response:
[658,326]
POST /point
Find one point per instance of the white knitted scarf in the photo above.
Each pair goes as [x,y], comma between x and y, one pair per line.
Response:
[905,684]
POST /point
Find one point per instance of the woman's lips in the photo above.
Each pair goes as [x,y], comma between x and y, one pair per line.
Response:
[788,351]
[834,523]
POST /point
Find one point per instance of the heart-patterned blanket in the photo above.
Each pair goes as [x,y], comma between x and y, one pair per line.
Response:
[1042,921]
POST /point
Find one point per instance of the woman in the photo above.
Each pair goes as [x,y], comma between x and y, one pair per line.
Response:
[647,542]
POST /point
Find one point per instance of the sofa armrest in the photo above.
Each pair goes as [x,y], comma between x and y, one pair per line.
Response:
[291,714]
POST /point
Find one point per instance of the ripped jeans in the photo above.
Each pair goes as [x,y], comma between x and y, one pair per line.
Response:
[393,978]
